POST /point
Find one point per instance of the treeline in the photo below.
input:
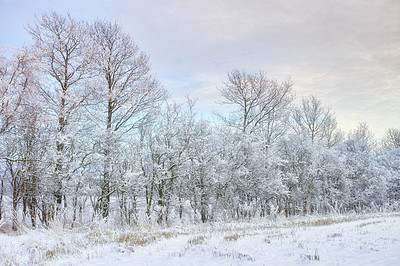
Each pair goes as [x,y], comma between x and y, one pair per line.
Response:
[87,132]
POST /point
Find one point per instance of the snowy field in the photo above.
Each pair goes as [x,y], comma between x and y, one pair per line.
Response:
[329,240]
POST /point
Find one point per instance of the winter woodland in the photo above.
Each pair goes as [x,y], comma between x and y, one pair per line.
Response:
[87,132]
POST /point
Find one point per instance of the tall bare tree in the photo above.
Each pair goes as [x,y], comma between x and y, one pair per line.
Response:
[127,91]
[256,97]
[62,48]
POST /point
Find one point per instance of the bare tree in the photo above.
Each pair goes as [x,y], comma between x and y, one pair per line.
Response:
[391,140]
[361,139]
[256,98]
[316,121]
[127,91]
[17,77]
[18,74]
[61,44]
[1,198]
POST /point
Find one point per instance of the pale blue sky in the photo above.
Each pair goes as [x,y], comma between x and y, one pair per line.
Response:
[345,52]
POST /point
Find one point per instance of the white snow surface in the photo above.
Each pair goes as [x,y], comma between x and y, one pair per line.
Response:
[330,240]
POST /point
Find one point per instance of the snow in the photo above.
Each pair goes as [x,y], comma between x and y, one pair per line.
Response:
[329,240]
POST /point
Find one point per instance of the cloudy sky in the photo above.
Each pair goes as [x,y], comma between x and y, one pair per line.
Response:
[346,52]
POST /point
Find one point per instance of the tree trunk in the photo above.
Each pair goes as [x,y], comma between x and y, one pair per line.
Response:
[203,204]
[1,198]
[106,191]
[15,205]
[59,163]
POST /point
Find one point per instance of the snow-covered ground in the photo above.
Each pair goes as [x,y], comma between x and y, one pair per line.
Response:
[333,240]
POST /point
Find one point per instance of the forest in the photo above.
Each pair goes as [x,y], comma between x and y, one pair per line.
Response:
[88,132]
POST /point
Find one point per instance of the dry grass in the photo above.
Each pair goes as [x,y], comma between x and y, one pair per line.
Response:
[198,240]
[233,237]
[335,235]
[232,255]
[63,242]
[311,257]
[176,254]
[369,223]
[137,238]
[319,222]
[8,260]
[39,254]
